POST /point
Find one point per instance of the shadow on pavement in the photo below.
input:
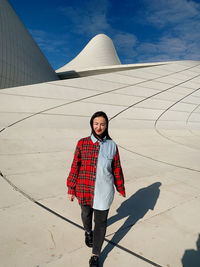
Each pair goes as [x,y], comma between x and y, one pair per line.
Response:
[191,257]
[134,209]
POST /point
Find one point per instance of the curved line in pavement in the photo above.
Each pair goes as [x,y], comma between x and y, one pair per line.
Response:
[60,216]
[157,120]
[76,224]
[113,90]
[160,161]
[187,121]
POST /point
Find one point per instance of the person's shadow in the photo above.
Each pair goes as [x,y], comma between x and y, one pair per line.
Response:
[191,257]
[134,209]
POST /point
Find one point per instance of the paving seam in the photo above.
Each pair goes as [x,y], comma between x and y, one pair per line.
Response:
[158,214]
[64,104]
[157,160]
[144,100]
[193,111]
[187,121]
[158,119]
[78,100]
[117,115]
[152,263]
[75,224]
[37,97]
[140,107]
[156,98]
[82,88]
[154,79]
[160,92]
[22,112]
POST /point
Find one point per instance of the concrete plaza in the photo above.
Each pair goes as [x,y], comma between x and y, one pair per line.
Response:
[154,117]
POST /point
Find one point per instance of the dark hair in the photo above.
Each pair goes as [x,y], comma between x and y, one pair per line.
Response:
[100,114]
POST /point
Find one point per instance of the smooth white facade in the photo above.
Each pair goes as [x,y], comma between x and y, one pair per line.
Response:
[154,112]
[21,60]
[155,120]
[99,52]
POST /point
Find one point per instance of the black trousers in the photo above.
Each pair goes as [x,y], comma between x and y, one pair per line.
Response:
[100,224]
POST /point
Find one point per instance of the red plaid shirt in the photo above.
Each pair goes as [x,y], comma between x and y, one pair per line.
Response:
[81,179]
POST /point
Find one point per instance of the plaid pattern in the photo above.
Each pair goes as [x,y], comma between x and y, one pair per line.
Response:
[81,179]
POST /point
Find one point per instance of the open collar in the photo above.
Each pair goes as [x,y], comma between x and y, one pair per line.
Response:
[94,139]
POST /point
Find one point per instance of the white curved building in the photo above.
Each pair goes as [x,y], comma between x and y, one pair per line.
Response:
[154,112]
[21,60]
[99,52]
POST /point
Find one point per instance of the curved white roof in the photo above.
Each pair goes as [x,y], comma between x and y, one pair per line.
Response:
[100,51]
[154,114]
[154,117]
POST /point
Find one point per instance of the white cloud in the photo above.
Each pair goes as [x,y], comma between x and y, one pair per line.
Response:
[178,22]
[168,48]
[125,40]
[164,12]
[188,30]
[48,42]
[54,46]
[125,44]
[89,18]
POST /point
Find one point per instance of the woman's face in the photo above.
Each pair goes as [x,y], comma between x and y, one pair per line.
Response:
[99,125]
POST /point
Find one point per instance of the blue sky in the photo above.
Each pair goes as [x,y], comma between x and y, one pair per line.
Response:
[142,30]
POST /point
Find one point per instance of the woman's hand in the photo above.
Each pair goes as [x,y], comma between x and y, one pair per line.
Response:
[71,197]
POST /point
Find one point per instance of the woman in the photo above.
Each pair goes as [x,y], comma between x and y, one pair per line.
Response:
[95,170]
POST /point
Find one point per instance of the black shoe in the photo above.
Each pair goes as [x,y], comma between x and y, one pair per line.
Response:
[94,261]
[89,239]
